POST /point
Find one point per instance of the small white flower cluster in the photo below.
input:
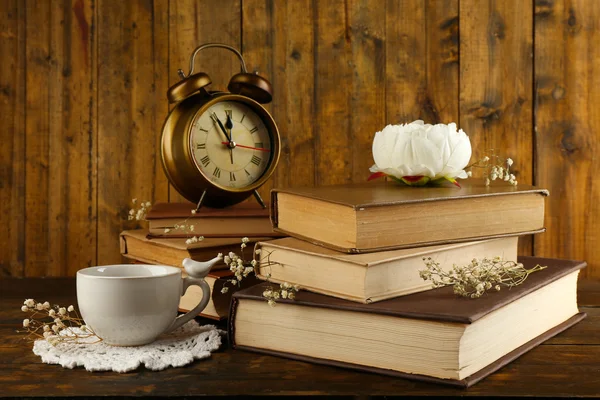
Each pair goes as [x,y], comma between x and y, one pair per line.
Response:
[242,268]
[194,239]
[285,291]
[496,168]
[139,214]
[477,277]
[59,327]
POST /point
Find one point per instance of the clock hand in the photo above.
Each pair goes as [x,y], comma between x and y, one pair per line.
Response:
[218,121]
[248,147]
[229,125]
[229,142]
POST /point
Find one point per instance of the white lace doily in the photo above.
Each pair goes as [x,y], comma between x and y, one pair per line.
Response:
[176,349]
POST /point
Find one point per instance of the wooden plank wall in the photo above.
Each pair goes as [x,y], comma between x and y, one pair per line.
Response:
[82,99]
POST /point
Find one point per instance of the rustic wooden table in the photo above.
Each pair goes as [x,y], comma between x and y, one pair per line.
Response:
[567,365]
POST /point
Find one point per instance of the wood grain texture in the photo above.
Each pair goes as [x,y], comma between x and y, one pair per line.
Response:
[567,78]
[257,49]
[406,46]
[333,91]
[129,108]
[60,182]
[38,55]
[83,97]
[566,365]
[293,84]
[496,65]
[72,138]
[12,136]
[367,36]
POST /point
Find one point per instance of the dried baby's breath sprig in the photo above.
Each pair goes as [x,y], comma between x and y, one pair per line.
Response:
[495,168]
[55,324]
[242,268]
[139,210]
[477,277]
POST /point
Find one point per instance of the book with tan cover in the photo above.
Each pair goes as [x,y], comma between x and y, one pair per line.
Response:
[368,277]
[136,245]
[433,336]
[378,216]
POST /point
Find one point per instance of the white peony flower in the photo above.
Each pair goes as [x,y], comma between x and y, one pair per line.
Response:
[417,153]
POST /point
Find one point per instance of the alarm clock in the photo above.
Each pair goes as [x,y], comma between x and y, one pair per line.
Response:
[218,148]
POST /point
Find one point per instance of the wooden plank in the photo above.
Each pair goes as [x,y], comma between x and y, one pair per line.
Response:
[333,83]
[193,23]
[567,77]
[257,49]
[39,58]
[292,41]
[12,136]
[495,83]
[406,75]
[440,104]
[368,107]
[161,55]
[131,57]
[422,61]
[72,138]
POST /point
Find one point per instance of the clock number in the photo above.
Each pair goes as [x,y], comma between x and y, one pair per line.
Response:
[232,177]
[246,171]
[229,113]
[205,161]
[201,146]
[243,116]
[253,129]
[203,130]
[256,160]
[217,172]
[258,145]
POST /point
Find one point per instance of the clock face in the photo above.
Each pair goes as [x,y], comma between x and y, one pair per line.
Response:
[231,145]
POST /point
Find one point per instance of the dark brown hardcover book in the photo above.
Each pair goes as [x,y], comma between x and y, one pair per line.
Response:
[244,219]
[433,336]
[136,245]
[378,216]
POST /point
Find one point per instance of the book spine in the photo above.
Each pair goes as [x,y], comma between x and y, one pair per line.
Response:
[231,321]
[273,211]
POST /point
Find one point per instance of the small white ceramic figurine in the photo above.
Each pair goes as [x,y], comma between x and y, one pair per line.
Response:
[197,269]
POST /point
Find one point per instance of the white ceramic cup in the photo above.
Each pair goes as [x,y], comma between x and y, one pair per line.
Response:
[132,304]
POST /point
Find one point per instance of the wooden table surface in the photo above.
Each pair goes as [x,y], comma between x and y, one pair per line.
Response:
[567,365]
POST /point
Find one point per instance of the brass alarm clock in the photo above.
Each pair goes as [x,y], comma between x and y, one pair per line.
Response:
[217,147]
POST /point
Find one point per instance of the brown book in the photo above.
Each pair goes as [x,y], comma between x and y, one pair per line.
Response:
[244,219]
[368,277]
[433,336]
[136,245]
[378,216]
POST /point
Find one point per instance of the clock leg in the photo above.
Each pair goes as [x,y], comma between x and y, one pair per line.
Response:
[200,201]
[259,199]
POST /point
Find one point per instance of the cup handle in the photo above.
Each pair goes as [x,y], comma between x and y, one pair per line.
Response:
[182,319]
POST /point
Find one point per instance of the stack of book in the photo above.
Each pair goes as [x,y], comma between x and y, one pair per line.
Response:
[356,251]
[165,242]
